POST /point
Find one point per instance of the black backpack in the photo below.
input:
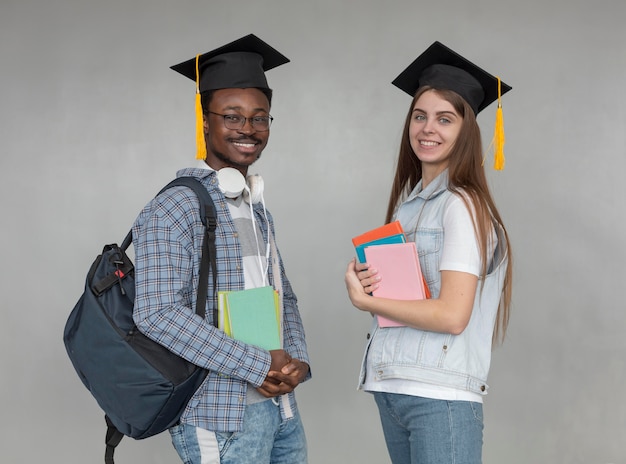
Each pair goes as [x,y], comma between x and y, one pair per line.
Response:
[141,386]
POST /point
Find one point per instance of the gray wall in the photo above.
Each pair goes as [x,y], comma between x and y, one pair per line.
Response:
[92,123]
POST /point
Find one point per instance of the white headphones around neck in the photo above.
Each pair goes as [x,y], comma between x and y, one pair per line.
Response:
[232,184]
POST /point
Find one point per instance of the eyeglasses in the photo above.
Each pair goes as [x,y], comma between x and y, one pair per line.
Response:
[236,121]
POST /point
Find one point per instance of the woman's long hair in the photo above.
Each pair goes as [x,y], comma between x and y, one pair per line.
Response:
[467,179]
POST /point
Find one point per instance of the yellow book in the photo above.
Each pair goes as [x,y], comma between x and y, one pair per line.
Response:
[222,312]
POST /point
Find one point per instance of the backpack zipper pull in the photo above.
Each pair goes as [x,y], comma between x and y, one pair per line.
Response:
[118,272]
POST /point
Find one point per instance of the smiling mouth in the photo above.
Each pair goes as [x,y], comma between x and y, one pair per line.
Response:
[427,143]
[245,144]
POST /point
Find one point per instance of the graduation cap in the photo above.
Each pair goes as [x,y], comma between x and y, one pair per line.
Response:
[444,69]
[240,64]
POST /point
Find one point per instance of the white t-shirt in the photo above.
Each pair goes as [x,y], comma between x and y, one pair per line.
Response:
[254,253]
[253,249]
[460,253]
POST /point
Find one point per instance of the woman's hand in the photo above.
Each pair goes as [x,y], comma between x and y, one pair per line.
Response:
[449,313]
[360,281]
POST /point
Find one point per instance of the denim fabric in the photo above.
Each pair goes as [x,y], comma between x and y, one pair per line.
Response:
[456,361]
[195,445]
[426,431]
[265,439]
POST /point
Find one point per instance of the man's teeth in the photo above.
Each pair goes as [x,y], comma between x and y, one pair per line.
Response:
[245,145]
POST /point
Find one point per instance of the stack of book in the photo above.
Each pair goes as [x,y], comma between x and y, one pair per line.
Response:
[385,248]
[252,316]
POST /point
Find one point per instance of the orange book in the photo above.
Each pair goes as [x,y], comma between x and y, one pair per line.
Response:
[392,228]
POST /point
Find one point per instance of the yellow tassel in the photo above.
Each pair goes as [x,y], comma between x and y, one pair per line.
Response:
[200,142]
[498,136]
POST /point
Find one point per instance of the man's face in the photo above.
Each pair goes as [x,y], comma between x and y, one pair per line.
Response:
[236,148]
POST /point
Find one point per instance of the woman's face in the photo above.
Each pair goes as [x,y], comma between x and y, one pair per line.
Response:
[433,129]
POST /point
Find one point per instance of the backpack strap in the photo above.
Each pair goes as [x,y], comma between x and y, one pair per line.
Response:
[113,438]
[209,219]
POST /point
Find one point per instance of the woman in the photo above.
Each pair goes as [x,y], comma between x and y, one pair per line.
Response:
[429,376]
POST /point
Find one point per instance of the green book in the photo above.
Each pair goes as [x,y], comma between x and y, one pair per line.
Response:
[253,317]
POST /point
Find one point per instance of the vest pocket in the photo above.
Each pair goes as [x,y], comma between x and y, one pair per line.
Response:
[434,348]
[410,347]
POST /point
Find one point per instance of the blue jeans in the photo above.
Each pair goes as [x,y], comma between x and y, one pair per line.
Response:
[426,431]
[264,439]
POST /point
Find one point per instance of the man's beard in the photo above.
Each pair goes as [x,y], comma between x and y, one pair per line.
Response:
[226,160]
[223,158]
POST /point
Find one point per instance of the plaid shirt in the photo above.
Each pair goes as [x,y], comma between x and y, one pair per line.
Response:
[167,238]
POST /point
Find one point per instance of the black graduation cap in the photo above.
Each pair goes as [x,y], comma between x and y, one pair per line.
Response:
[443,68]
[239,64]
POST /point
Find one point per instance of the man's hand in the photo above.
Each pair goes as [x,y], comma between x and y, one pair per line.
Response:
[284,376]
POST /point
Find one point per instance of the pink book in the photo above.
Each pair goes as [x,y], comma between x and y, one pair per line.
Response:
[399,267]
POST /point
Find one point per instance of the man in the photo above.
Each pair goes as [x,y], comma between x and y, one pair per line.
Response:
[245,411]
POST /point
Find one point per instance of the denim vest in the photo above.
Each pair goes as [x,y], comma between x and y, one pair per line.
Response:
[457,361]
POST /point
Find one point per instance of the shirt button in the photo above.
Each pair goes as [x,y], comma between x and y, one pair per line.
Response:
[235,234]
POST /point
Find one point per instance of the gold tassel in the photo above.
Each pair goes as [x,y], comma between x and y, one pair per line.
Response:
[200,142]
[498,135]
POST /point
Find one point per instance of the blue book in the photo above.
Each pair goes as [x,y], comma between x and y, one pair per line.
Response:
[360,249]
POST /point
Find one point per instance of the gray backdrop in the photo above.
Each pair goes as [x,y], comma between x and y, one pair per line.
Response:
[92,123]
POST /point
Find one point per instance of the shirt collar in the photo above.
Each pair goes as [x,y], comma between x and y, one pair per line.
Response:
[438,185]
